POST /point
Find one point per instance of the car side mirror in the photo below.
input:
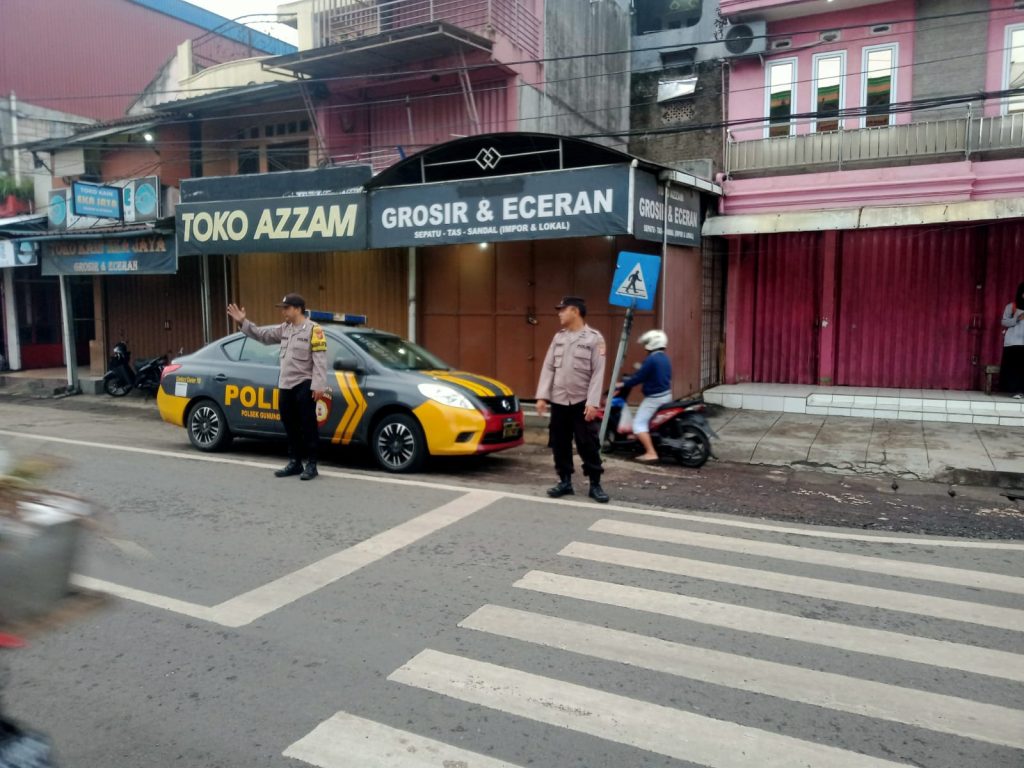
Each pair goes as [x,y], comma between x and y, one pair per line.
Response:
[345,363]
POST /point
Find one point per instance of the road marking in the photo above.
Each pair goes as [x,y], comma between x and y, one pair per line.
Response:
[809,531]
[652,727]
[946,714]
[876,642]
[345,740]
[257,603]
[901,568]
[196,611]
[872,597]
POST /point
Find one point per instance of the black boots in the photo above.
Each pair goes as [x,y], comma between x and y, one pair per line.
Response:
[294,468]
[597,492]
[564,488]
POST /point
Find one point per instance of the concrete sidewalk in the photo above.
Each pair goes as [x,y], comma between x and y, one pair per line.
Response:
[949,452]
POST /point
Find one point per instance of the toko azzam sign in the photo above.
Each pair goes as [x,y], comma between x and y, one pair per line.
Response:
[292,224]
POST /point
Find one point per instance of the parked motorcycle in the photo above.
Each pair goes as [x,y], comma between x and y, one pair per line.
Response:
[679,430]
[122,377]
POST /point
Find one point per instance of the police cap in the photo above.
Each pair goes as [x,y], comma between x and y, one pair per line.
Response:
[573,301]
[292,300]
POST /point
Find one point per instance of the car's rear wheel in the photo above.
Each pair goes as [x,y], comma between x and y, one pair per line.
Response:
[398,443]
[207,427]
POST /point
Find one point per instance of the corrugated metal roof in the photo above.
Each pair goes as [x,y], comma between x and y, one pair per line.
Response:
[220,25]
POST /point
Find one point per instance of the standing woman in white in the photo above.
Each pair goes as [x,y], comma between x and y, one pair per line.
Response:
[1011,372]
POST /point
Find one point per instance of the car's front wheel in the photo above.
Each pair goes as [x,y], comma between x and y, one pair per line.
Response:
[207,427]
[398,443]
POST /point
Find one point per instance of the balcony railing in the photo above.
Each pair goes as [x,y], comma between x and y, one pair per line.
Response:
[336,21]
[867,147]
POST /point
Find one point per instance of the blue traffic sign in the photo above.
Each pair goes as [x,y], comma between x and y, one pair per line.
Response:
[636,280]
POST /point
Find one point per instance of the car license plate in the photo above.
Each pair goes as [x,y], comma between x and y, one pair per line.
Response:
[511,429]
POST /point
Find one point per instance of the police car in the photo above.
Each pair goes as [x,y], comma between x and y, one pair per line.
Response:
[386,393]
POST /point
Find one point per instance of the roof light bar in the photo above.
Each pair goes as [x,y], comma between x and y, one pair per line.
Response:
[336,317]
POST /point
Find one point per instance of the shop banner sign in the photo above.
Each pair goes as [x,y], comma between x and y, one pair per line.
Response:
[18,253]
[150,255]
[280,225]
[582,202]
[95,200]
[649,212]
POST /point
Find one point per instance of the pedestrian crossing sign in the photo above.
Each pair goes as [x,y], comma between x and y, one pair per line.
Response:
[636,280]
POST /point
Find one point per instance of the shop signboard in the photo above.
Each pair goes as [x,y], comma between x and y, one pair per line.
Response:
[18,253]
[580,202]
[650,215]
[96,200]
[309,223]
[148,255]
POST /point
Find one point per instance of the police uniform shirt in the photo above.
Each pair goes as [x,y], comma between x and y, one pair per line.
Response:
[303,351]
[573,369]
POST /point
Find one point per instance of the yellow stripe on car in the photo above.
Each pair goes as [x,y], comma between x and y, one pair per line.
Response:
[499,388]
[355,407]
[476,389]
[349,407]
[360,409]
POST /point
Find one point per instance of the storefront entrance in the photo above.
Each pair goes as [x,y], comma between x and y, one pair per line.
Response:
[910,308]
[491,307]
[37,302]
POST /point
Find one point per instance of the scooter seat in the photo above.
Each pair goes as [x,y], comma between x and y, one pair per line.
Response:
[683,403]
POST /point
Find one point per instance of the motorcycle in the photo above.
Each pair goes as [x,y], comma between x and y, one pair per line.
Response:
[679,430]
[121,377]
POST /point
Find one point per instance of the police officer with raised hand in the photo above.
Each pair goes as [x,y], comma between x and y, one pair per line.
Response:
[570,380]
[303,378]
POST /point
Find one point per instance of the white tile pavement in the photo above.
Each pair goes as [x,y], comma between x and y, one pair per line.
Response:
[920,433]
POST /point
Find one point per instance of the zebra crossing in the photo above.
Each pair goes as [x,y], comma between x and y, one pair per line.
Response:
[863,645]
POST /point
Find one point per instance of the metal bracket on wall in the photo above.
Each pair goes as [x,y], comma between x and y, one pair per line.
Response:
[307,100]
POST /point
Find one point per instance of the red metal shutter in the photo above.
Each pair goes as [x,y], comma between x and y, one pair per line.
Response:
[786,308]
[907,308]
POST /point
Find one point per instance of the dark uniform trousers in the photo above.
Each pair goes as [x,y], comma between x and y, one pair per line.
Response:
[298,414]
[567,423]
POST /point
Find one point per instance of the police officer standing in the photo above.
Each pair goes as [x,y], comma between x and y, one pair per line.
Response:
[570,381]
[303,378]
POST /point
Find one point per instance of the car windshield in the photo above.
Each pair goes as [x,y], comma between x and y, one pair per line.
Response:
[397,353]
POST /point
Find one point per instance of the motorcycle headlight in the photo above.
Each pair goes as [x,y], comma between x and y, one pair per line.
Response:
[446,396]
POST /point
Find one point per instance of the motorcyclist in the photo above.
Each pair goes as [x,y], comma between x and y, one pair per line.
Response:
[656,377]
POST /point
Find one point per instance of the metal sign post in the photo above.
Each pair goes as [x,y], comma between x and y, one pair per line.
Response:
[633,287]
[68,329]
[627,326]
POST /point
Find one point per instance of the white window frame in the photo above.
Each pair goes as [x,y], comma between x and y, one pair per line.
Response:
[895,48]
[768,94]
[1007,42]
[841,55]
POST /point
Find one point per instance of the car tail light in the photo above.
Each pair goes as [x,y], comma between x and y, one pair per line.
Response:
[662,416]
[169,369]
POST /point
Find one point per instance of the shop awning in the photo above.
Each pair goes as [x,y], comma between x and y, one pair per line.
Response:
[863,218]
[369,54]
[22,224]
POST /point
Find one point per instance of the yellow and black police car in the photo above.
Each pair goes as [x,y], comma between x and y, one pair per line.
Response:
[387,393]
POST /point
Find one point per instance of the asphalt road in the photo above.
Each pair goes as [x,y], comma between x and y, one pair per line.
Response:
[461,619]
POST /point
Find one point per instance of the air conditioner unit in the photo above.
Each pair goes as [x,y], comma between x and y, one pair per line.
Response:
[742,38]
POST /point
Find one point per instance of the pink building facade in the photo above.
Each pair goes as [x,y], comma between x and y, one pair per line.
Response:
[874,192]
[399,76]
